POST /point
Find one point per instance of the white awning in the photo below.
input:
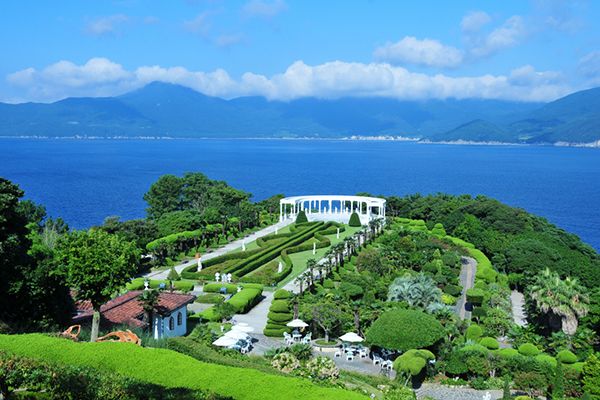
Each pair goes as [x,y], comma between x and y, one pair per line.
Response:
[297,323]
[225,341]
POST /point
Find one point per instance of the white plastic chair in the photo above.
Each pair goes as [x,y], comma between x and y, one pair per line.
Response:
[349,356]
[338,353]
[377,360]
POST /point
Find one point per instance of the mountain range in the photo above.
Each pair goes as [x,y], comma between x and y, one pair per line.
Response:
[161,109]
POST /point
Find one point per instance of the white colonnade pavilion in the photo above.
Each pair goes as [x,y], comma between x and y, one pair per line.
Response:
[336,208]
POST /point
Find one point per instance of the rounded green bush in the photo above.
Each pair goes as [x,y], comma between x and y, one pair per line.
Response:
[528,349]
[411,364]
[274,332]
[404,330]
[577,367]
[474,332]
[301,218]
[280,306]
[282,294]
[507,353]
[354,220]
[546,359]
[274,325]
[280,317]
[479,312]
[566,357]
[490,343]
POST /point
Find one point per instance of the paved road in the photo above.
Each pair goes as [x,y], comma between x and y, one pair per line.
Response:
[221,250]
[441,392]
[467,280]
[518,310]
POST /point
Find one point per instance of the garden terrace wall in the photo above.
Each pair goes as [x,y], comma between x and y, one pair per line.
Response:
[191,272]
[148,365]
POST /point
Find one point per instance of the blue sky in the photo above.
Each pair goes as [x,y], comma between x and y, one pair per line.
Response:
[285,49]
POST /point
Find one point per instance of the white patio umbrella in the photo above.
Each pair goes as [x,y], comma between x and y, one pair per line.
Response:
[297,323]
[351,337]
[242,328]
[225,341]
[237,335]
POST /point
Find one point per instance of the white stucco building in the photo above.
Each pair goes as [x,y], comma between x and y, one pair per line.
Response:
[336,208]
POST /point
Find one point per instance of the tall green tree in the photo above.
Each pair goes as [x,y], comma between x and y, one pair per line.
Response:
[97,265]
[164,196]
[563,300]
[591,377]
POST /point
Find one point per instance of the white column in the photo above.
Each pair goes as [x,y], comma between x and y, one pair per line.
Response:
[280,213]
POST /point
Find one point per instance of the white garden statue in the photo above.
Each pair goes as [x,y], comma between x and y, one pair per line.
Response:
[199,264]
[314,248]
[243,245]
[217,276]
[279,267]
[337,236]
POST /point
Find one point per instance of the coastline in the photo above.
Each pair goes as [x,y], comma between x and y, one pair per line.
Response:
[593,145]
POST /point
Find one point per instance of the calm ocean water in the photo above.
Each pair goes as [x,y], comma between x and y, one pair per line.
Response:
[86,180]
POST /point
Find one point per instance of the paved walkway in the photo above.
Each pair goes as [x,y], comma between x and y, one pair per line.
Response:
[221,250]
[442,392]
[518,310]
[467,280]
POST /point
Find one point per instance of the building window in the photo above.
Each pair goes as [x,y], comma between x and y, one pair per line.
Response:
[171,323]
[179,318]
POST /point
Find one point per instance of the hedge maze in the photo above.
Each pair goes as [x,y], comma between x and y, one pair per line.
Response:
[261,265]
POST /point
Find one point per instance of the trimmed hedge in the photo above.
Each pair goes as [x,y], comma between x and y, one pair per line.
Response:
[279,316]
[413,361]
[354,220]
[280,306]
[138,284]
[148,365]
[507,352]
[282,294]
[244,300]
[490,343]
[528,349]
[216,287]
[404,330]
[566,357]
[209,298]
[547,359]
[475,296]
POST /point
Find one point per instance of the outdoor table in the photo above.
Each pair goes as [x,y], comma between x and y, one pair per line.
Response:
[297,337]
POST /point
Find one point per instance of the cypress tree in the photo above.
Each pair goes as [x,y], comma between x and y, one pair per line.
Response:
[301,218]
[354,220]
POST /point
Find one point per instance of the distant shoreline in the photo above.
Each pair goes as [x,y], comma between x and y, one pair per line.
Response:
[595,144]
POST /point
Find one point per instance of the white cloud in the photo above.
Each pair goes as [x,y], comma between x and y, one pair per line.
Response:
[200,24]
[228,40]
[425,52]
[106,25]
[474,21]
[589,67]
[264,9]
[528,76]
[100,77]
[510,33]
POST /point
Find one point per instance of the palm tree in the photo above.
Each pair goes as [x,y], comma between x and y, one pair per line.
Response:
[300,279]
[311,263]
[564,300]
[149,301]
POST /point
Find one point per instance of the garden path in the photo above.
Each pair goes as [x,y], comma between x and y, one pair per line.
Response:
[221,250]
[518,310]
[442,392]
[467,280]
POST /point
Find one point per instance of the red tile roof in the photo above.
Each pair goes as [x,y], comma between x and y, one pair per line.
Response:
[127,309]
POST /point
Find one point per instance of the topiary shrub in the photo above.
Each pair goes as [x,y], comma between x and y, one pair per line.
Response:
[479,312]
[404,330]
[301,218]
[474,332]
[528,349]
[547,359]
[490,343]
[448,300]
[475,296]
[507,353]
[282,294]
[453,290]
[438,230]
[280,306]
[279,315]
[354,220]
[173,275]
[413,361]
[566,357]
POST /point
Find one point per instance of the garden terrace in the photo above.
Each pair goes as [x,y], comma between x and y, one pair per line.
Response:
[260,264]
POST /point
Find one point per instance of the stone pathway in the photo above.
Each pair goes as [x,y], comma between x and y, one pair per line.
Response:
[518,310]
[467,280]
[441,392]
[221,250]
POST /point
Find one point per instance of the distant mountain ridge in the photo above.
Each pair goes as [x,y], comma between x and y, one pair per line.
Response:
[161,109]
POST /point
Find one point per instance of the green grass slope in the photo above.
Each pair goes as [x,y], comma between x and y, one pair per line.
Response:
[170,369]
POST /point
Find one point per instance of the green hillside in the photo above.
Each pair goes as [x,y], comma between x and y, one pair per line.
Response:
[170,369]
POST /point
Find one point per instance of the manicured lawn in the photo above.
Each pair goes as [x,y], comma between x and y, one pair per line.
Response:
[170,369]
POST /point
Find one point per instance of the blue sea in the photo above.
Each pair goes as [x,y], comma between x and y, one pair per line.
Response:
[85,181]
